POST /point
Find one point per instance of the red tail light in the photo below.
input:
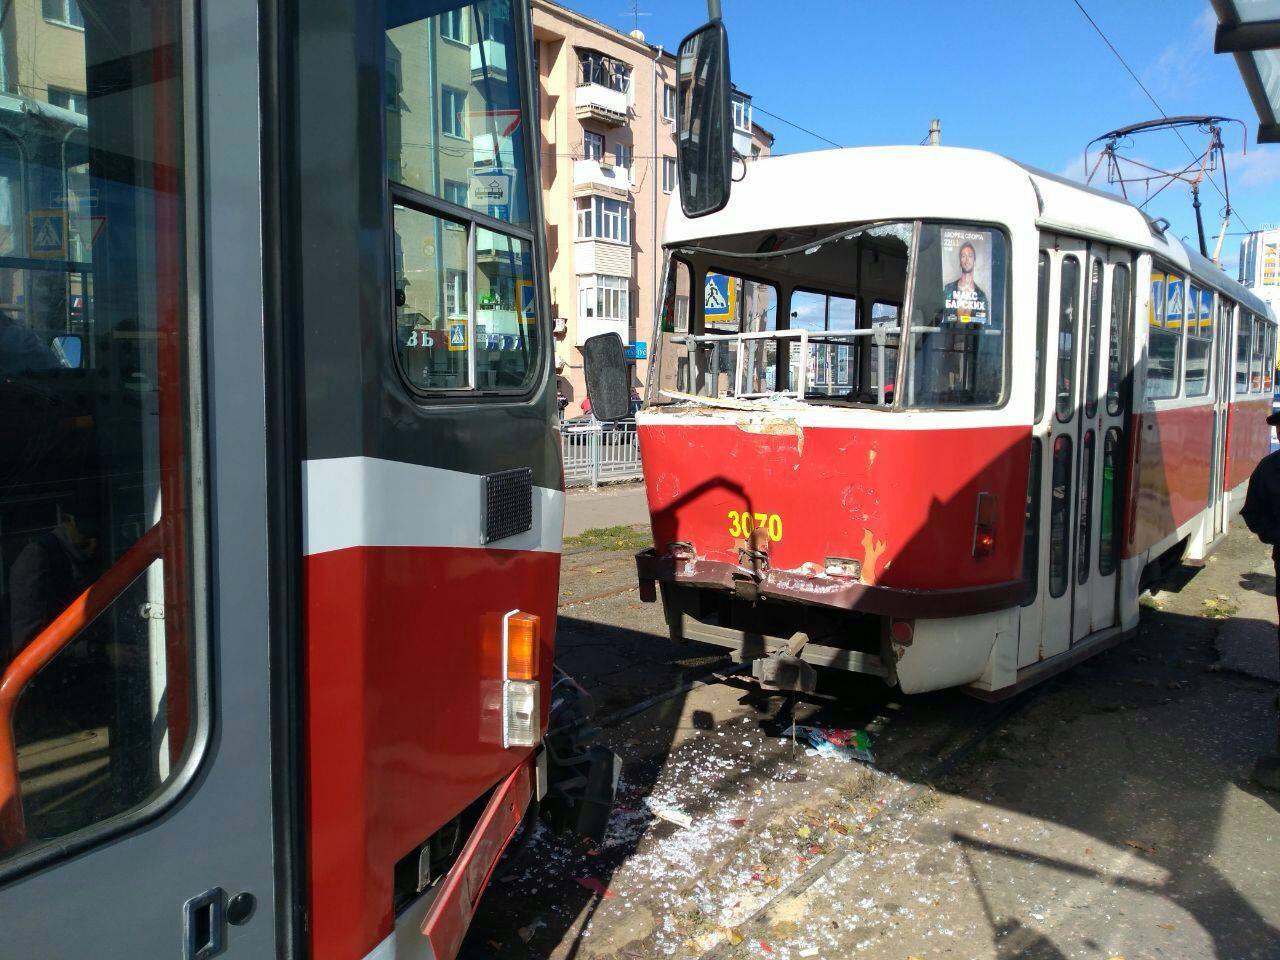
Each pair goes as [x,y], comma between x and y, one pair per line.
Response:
[984,526]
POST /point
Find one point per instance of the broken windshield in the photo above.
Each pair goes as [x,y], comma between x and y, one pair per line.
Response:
[817,314]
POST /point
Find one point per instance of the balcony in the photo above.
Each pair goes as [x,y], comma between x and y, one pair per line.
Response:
[742,142]
[594,101]
[594,176]
[601,256]
[588,327]
[488,54]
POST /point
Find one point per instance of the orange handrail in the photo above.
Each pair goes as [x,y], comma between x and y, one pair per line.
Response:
[47,644]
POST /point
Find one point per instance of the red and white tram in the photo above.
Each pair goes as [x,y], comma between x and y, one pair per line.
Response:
[930,414]
[280,494]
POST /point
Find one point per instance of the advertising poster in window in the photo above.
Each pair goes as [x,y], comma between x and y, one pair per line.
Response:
[966,271]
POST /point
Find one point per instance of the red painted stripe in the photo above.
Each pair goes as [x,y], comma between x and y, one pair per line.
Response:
[403,666]
[836,490]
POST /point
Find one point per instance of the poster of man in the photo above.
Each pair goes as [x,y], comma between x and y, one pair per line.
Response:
[966,257]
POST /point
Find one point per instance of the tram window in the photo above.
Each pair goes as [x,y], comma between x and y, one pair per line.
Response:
[506,341]
[1042,329]
[95,438]
[1084,546]
[830,370]
[1068,316]
[1109,516]
[1244,337]
[734,304]
[1092,322]
[1255,355]
[1060,518]
[1199,340]
[1121,316]
[1164,335]
[669,367]
[886,316]
[956,348]
[1269,358]
[471,92]
[432,310]
[1031,527]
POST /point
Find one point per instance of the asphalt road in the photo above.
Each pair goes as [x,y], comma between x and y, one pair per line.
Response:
[1105,814]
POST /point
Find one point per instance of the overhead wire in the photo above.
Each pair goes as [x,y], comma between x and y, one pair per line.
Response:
[1150,96]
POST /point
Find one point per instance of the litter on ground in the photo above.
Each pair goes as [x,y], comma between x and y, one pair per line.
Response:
[842,743]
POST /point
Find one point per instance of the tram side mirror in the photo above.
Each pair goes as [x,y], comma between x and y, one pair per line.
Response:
[704,121]
[69,349]
[608,380]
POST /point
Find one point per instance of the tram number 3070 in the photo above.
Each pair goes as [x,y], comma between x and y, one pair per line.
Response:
[741,523]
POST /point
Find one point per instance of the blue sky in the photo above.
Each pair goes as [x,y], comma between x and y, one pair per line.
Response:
[1027,78]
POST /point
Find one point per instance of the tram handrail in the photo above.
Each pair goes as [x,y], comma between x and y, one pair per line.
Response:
[48,643]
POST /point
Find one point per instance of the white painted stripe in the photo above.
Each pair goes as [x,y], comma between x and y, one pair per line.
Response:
[368,502]
[821,416]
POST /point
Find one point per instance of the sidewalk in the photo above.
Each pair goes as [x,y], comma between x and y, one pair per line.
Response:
[621,504]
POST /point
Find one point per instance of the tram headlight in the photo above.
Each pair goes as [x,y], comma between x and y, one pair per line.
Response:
[521,690]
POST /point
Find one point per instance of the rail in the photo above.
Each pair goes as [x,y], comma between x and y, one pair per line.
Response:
[47,644]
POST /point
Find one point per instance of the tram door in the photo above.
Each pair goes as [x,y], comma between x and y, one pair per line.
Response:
[1089,294]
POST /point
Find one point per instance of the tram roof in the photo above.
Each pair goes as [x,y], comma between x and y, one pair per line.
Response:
[949,183]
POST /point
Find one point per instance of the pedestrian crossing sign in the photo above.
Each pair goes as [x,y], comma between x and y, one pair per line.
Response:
[718,299]
[47,234]
[458,336]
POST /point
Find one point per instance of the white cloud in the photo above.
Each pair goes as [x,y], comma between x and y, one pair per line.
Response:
[1258,168]
[1184,64]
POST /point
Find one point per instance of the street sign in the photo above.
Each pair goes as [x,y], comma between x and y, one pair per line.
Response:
[718,299]
[458,336]
[490,188]
[47,234]
[502,122]
[636,351]
[525,299]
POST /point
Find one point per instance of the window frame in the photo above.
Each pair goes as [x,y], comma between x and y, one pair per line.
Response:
[65,20]
[610,287]
[1121,325]
[196,558]
[1076,257]
[669,175]
[589,153]
[1160,313]
[1205,342]
[401,194]
[668,101]
[461,37]
[448,92]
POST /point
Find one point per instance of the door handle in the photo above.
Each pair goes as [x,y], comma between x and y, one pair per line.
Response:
[204,925]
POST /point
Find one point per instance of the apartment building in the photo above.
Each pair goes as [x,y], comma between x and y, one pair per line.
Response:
[1260,264]
[607,118]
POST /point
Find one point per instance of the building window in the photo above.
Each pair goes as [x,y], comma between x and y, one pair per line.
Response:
[68,100]
[453,104]
[64,12]
[455,192]
[605,298]
[668,102]
[455,292]
[603,218]
[595,67]
[622,156]
[742,114]
[452,25]
[668,174]
[592,145]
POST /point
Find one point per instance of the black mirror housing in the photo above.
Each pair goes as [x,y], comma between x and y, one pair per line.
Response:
[608,380]
[704,120]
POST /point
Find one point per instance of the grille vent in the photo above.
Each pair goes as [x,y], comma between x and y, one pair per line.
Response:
[508,503]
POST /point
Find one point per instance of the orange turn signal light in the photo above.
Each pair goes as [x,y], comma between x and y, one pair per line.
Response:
[524,635]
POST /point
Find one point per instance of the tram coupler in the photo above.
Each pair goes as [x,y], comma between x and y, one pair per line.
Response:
[753,565]
[785,669]
[582,776]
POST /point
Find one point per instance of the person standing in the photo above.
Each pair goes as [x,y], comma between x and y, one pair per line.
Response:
[1261,514]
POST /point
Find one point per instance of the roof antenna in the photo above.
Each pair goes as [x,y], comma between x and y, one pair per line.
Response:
[635,14]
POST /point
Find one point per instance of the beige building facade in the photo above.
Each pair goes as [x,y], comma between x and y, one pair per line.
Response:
[607,135]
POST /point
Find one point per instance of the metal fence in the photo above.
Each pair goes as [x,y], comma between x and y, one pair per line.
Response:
[600,453]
